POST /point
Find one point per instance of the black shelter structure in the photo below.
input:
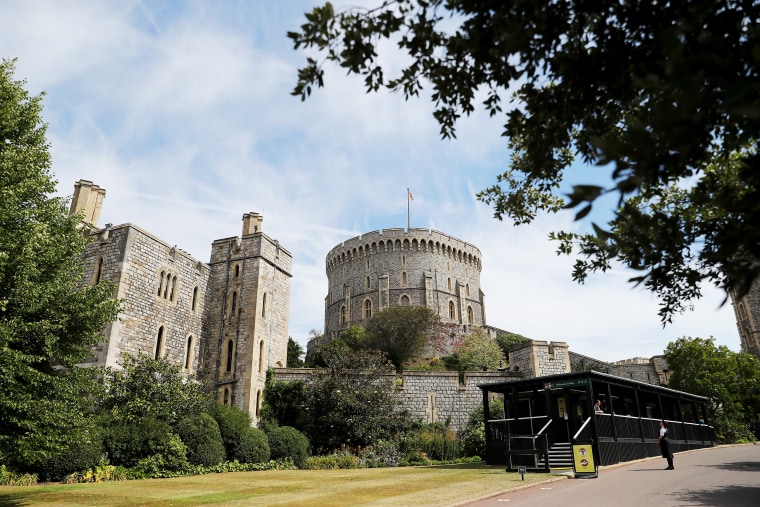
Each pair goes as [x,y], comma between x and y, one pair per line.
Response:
[544,416]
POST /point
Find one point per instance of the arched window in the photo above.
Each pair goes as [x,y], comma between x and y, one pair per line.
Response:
[237,270]
[448,283]
[234,304]
[230,347]
[264,306]
[226,396]
[258,402]
[367,283]
[404,280]
[195,299]
[189,353]
[261,356]
[452,310]
[367,264]
[166,285]
[403,260]
[159,344]
[99,271]
[367,309]
[174,287]
[161,284]
[467,289]
[469,315]
[404,301]
[343,315]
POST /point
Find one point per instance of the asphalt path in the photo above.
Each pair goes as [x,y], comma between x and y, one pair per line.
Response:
[719,476]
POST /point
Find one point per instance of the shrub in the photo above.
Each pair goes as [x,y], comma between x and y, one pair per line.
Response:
[434,440]
[416,458]
[288,442]
[335,461]
[83,453]
[200,433]
[11,478]
[170,461]
[252,446]
[128,443]
[381,454]
[232,423]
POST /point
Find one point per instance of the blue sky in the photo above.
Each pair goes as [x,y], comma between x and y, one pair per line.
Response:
[182,112]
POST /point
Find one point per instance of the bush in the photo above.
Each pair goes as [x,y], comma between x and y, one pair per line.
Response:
[83,453]
[381,454]
[232,423]
[335,461]
[11,478]
[288,442]
[253,447]
[434,440]
[200,433]
[169,461]
[148,445]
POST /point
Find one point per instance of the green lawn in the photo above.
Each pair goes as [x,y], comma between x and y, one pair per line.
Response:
[408,486]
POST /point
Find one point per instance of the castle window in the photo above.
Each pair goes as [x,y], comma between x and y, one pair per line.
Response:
[367,309]
[264,306]
[189,353]
[403,260]
[226,396]
[99,271]
[368,283]
[161,284]
[467,289]
[234,304]
[166,285]
[448,284]
[367,264]
[343,315]
[230,346]
[159,344]
[195,299]
[404,301]
[174,287]
[452,310]
[237,270]
[261,356]
[258,402]
[404,280]
[469,315]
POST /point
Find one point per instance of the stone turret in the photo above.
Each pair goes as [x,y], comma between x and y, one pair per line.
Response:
[88,199]
[252,223]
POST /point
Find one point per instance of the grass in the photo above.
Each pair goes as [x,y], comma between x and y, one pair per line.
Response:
[407,486]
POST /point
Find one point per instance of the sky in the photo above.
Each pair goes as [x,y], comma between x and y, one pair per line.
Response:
[182,111]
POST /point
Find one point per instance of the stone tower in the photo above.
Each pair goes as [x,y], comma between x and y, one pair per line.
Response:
[248,302]
[417,267]
[747,311]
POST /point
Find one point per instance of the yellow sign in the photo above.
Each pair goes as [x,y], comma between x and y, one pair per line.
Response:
[561,406]
[583,459]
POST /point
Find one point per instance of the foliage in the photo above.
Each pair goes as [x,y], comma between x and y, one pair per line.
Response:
[445,337]
[338,460]
[11,478]
[436,441]
[200,434]
[355,337]
[400,331]
[730,381]
[152,388]
[252,446]
[653,92]
[480,352]
[127,442]
[169,460]
[283,404]
[474,434]
[83,452]
[241,441]
[288,442]
[381,454]
[48,320]
[509,340]
[295,352]
[102,472]
[352,401]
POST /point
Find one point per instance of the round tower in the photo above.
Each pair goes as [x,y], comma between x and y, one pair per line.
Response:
[390,267]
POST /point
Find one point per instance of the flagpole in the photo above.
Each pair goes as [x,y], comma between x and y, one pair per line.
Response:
[407,208]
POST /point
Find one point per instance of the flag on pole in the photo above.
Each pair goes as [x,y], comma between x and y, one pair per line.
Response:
[411,197]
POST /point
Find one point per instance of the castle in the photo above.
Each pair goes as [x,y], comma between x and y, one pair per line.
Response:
[747,311]
[226,321]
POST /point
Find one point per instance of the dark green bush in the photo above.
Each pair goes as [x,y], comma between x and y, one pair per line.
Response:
[127,443]
[288,442]
[232,422]
[200,433]
[252,446]
[436,441]
[84,451]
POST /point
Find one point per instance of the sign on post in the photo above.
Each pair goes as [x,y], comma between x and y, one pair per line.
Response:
[583,461]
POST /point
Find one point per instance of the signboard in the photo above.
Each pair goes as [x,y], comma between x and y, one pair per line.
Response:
[583,461]
[574,382]
[561,406]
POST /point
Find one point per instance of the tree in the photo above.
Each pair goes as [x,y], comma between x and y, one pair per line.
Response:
[508,340]
[400,331]
[48,320]
[730,381]
[653,92]
[352,401]
[295,352]
[479,352]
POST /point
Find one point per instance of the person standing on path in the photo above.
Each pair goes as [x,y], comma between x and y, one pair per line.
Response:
[665,445]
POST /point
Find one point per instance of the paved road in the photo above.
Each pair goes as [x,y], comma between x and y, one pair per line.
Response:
[723,476]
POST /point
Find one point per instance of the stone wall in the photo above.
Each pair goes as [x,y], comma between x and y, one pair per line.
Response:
[418,267]
[429,396]
[539,358]
[747,312]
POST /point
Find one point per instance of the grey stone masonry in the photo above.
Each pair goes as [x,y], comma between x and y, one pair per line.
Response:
[747,311]
[539,358]
[430,396]
[416,267]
